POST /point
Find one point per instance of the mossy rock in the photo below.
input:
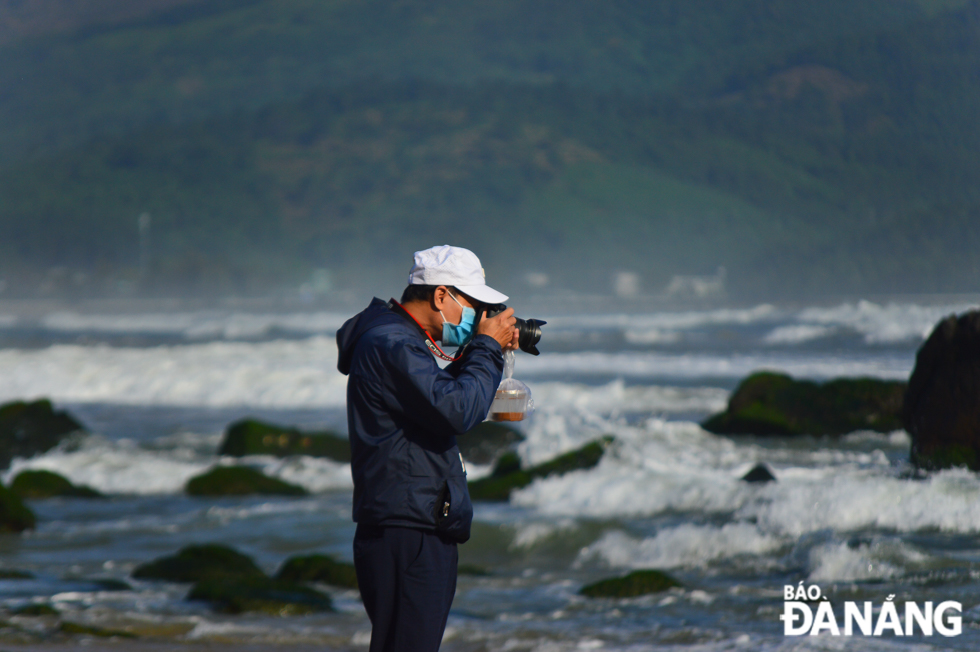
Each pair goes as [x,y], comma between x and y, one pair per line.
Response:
[110,584]
[200,562]
[27,429]
[485,443]
[768,403]
[240,481]
[472,570]
[10,574]
[37,485]
[318,568]
[39,609]
[67,627]
[15,516]
[254,437]
[269,596]
[637,583]
[508,476]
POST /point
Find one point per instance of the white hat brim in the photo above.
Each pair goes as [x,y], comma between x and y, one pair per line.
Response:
[482,293]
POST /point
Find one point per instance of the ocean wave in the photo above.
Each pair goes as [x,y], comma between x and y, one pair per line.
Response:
[881,559]
[675,467]
[209,324]
[123,467]
[798,334]
[877,324]
[218,374]
[709,365]
[686,545]
[667,321]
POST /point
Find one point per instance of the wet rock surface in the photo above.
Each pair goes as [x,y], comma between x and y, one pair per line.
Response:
[769,403]
[29,428]
[240,481]
[942,406]
[508,475]
[37,485]
[318,568]
[637,583]
[254,437]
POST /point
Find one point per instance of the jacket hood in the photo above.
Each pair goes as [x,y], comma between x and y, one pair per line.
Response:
[376,314]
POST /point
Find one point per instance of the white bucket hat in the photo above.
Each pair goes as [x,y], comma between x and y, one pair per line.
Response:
[454,266]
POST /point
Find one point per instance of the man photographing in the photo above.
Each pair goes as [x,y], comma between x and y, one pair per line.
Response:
[411,503]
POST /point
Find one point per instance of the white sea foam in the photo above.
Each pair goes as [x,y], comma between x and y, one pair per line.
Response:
[882,324]
[218,374]
[676,467]
[685,545]
[648,364]
[617,397]
[196,325]
[835,562]
[118,467]
[798,334]
[123,467]
[667,321]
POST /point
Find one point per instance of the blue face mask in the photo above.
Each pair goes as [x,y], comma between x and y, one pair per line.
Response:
[461,333]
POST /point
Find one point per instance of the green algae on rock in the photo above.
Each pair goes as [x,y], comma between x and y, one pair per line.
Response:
[40,484]
[508,476]
[200,562]
[637,583]
[261,594]
[15,516]
[27,429]
[318,568]
[240,481]
[768,403]
[254,437]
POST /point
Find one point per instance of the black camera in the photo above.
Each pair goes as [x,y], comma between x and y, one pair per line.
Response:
[529,329]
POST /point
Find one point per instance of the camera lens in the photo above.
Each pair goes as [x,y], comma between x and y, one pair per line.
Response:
[528,330]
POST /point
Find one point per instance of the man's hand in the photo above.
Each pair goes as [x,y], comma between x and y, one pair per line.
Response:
[500,328]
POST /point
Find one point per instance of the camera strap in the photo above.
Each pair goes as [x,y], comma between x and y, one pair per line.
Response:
[429,341]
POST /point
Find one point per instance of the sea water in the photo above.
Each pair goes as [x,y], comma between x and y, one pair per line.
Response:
[847,514]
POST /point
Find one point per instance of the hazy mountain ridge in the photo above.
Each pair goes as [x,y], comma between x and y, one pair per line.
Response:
[850,160]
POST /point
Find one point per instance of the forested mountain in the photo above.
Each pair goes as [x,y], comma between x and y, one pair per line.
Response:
[806,147]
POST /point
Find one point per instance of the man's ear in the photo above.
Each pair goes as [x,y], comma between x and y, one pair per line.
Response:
[439,297]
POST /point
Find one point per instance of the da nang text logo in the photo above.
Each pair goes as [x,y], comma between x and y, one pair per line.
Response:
[807,611]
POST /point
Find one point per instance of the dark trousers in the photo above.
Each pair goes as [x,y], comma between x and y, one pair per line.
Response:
[407,580]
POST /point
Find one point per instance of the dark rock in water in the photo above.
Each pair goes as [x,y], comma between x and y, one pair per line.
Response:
[10,574]
[637,583]
[264,595]
[759,473]
[15,516]
[768,403]
[508,476]
[253,437]
[487,441]
[202,562]
[67,627]
[27,429]
[36,485]
[472,570]
[318,568]
[37,609]
[942,405]
[110,584]
[240,481]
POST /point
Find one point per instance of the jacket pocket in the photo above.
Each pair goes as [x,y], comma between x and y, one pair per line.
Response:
[455,509]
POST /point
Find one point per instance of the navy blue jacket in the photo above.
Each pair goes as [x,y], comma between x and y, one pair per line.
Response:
[403,415]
